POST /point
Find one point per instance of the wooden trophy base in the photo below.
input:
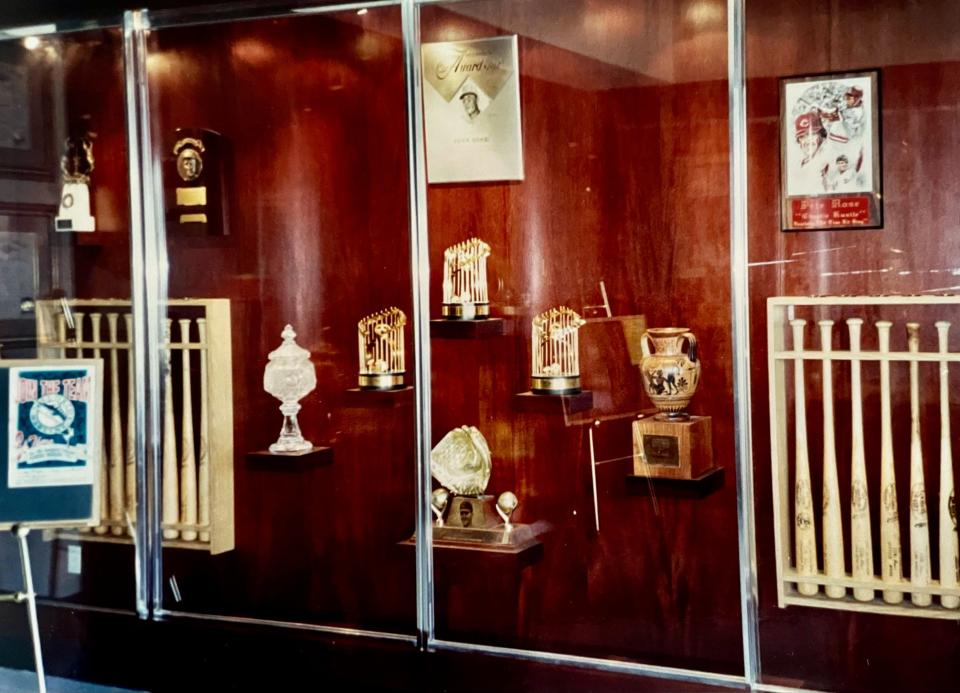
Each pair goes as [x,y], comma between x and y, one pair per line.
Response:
[672,448]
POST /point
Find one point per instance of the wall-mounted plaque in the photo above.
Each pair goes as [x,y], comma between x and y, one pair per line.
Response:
[471,103]
[830,152]
[193,183]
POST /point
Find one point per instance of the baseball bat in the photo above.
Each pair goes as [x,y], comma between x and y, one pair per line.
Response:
[170,506]
[919,531]
[890,556]
[203,465]
[188,460]
[861,549]
[832,521]
[78,339]
[95,324]
[949,550]
[78,333]
[116,433]
[131,467]
[805,531]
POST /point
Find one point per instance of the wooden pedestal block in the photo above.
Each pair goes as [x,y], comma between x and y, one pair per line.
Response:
[672,449]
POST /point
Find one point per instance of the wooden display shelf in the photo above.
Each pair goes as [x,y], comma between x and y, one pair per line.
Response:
[466,329]
[699,487]
[120,539]
[525,554]
[401,397]
[316,456]
[554,404]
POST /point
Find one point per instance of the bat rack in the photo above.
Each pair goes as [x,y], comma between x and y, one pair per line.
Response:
[29,596]
[895,565]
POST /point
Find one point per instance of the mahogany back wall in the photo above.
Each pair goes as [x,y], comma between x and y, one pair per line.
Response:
[626,182]
[916,47]
[312,111]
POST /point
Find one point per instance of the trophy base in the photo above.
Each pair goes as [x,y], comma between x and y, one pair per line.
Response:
[518,535]
[472,512]
[82,224]
[671,448]
[380,381]
[555,385]
[288,446]
[465,311]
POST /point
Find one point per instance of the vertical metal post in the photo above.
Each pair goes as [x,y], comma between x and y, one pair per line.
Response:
[740,298]
[420,259]
[31,598]
[148,270]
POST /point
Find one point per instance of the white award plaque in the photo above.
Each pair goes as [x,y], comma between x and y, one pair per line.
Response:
[471,103]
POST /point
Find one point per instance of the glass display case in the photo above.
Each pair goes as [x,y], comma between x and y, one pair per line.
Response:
[600,333]
[65,279]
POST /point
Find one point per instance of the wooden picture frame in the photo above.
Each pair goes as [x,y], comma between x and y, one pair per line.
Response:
[830,152]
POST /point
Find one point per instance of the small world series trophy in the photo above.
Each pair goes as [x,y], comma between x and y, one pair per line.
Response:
[465,295]
[381,350]
[555,350]
[77,165]
[290,376]
[464,512]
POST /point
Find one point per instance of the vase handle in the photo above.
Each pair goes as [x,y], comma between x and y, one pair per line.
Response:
[691,346]
[645,348]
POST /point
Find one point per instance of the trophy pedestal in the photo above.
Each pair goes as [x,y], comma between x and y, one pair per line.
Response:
[291,461]
[466,329]
[75,209]
[465,311]
[555,385]
[555,404]
[359,397]
[698,487]
[672,448]
[380,381]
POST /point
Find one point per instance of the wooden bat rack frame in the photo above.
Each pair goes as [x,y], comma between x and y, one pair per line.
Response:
[885,569]
[197,464]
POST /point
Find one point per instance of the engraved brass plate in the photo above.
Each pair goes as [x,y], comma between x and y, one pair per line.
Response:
[193,218]
[662,451]
[192,197]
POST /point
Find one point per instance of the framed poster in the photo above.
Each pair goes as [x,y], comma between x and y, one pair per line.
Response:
[51,416]
[471,105]
[830,175]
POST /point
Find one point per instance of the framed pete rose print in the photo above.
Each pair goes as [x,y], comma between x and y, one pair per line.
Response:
[830,175]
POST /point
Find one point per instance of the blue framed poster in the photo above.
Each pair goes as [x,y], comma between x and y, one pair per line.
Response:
[50,443]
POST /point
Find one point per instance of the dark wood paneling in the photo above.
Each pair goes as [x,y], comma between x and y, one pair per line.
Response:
[312,110]
[626,182]
[916,47]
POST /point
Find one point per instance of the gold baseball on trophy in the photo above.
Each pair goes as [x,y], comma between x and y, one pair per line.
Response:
[438,503]
[506,504]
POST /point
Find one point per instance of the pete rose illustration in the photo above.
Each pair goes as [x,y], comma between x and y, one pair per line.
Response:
[830,151]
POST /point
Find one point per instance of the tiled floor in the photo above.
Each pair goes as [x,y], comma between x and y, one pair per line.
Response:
[17,681]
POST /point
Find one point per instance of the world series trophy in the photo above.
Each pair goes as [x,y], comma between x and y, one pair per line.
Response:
[289,376]
[464,512]
[672,444]
[465,295]
[555,352]
[381,350]
[77,165]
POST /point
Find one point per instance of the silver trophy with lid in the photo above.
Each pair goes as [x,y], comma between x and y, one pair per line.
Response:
[290,376]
